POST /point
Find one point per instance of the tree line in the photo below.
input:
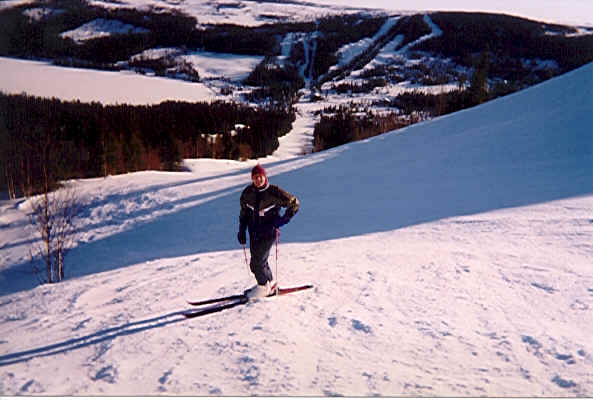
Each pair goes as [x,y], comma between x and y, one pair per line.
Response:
[493,46]
[48,140]
[344,124]
[508,39]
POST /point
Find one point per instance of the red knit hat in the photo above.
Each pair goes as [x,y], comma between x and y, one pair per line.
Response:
[258,170]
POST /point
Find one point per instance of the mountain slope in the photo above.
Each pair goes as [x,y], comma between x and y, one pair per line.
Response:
[503,154]
[451,258]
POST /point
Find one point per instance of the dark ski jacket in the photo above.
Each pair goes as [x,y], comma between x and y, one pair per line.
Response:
[260,210]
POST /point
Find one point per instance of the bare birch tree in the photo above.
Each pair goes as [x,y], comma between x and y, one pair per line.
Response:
[53,217]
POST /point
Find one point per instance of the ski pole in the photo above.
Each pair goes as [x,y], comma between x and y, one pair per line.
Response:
[246,262]
[277,240]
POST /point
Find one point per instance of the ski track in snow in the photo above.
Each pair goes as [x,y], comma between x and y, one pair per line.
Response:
[428,320]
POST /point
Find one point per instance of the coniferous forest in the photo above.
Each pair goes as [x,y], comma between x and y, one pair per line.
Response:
[50,140]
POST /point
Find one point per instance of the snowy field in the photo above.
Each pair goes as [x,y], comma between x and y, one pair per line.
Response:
[99,28]
[450,258]
[42,79]
[240,12]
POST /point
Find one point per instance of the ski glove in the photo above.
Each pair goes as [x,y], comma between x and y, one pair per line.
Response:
[280,221]
[242,237]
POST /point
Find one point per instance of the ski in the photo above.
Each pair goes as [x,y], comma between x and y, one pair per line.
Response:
[216,307]
[283,291]
[224,303]
[216,300]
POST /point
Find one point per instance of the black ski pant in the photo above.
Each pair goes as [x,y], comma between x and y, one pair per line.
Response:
[260,251]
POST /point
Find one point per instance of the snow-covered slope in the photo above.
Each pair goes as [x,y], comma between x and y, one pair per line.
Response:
[246,13]
[451,258]
[39,78]
[100,28]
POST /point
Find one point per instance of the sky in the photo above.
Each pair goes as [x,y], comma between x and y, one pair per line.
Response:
[574,12]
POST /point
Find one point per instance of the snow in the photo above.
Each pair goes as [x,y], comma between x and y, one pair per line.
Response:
[101,27]
[5,4]
[251,13]
[210,66]
[40,13]
[216,65]
[350,51]
[571,12]
[218,72]
[449,258]
[388,54]
[239,12]
[42,79]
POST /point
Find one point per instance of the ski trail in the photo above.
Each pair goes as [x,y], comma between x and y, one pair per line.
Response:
[313,50]
[436,32]
[285,48]
[303,67]
[299,141]
[389,53]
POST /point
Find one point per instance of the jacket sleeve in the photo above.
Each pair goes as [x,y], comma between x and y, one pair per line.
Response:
[288,201]
[243,214]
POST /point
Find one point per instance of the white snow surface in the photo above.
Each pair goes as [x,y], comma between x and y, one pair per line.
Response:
[240,12]
[350,51]
[449,258]
[216,65]
[13,3]
[101,27]
[388,53]
[39,78]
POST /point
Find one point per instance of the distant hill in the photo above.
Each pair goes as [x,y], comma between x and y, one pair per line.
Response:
[72,32]
[372,71]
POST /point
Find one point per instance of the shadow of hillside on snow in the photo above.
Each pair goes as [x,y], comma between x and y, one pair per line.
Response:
[531,147]
[104,335]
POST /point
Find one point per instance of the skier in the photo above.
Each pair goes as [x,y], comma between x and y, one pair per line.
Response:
[260,214]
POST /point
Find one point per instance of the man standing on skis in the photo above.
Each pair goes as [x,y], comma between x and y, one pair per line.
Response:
[260,214]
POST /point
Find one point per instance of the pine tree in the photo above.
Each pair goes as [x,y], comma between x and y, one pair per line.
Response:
[478,88]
